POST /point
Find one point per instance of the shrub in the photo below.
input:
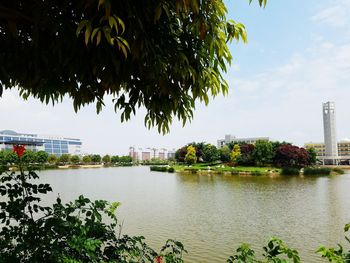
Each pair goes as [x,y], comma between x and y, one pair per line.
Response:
[171,170]
[317,171]
[290,171]
[338,171]
[159,168]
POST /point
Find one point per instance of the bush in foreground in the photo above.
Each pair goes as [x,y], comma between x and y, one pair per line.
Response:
[72,232]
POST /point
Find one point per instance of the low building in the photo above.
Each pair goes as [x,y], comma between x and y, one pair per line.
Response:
[230,138]
[50,144]
[343,150]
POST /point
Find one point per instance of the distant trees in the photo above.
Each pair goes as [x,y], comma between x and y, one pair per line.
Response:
[75,159]
[106,159]
[52,159]
[87,159]
[96,158]
[247,157]
[115,159]
[261,153]
[210,153]
[125,159]
[41,156]
[224,153]
[64,158]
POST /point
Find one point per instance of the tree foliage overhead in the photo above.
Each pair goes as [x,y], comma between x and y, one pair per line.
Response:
[163,55]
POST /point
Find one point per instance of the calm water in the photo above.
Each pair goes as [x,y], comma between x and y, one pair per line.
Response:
[212,215]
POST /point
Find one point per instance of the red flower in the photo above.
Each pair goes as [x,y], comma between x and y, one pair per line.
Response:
[158,259]
[19,150]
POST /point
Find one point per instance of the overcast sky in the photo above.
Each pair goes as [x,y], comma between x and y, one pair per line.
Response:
[297,57]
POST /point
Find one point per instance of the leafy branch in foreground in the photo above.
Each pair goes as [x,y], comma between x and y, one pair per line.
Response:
[79,231]
[160,55]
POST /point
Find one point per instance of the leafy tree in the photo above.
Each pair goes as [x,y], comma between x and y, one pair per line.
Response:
[29,157]
[7,157]
[87,159]
[41,156]
[199,146]
[235,155]
[312,155]
[210,153]
[115,159]
[247,150]
[224,153]
[180,154]
[125,159]
[52,159]
[96,158]
[291,156]
[64,158]
[75,159]
[263,152]
[190,157]
[163,55]
[106,159]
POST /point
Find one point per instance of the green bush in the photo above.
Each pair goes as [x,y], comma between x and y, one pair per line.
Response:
[290,171]
[79,231]
[159,168]
[171,170]
[338,171]
[317,171]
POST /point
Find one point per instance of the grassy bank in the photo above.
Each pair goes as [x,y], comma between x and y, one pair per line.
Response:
[221,168]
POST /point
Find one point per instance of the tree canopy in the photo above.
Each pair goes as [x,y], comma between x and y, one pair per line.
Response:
[160,55]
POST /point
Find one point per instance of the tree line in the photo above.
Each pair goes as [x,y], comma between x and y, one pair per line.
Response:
[42,157]
[261,153]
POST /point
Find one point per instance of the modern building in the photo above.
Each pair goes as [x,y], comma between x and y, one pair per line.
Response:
[343,155]
[50,144]
[145,154]
[230,138]
[331,151]
[330,136]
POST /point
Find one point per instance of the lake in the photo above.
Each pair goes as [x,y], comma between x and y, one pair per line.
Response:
[212,215]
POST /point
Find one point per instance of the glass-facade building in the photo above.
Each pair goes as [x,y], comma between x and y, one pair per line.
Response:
[50,144]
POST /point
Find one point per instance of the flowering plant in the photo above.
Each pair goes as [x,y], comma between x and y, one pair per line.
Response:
[19,150]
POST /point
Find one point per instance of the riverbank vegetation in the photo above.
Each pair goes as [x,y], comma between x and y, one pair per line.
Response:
[261,158]
[43,160]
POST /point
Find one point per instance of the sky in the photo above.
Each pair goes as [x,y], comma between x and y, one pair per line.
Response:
[296,58]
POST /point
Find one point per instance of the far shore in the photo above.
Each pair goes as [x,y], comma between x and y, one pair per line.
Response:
[80,166]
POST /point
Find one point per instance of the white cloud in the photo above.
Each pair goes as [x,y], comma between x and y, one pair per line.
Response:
[285,102]
[337,14]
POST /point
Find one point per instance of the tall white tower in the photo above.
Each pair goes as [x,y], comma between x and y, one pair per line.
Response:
[330,136]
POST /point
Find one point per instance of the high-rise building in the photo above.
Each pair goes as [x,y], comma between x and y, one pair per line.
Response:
[146,154]
[50,144]
[330,136]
